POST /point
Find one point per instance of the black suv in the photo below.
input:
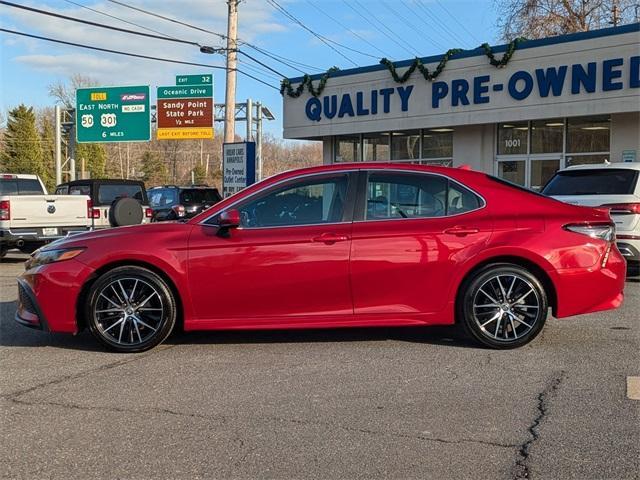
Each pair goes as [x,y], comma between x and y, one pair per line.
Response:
[170,202]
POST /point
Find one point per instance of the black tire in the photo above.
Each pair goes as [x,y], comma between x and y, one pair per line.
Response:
[3,250]
[144,321]
[512,322]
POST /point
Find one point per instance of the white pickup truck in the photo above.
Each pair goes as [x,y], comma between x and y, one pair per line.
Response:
[29,217]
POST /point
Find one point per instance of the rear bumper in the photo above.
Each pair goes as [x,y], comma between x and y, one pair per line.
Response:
[18,236]
[49,296]
[599,288]
[629,248]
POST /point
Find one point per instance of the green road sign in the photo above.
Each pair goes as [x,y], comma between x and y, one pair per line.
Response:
[194,80]
[113,114]
[185,92]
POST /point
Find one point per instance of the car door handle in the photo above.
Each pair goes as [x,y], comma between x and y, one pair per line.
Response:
[330,238]
[461,231]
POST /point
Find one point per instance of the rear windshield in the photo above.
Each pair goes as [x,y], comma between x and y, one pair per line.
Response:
[20,186]
[612,181]
[162,197]
[199,196]
[108,193]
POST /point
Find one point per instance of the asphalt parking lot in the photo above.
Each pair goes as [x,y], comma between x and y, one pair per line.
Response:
[364,403]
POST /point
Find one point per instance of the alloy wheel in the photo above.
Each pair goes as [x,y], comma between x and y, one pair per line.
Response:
[506,307]
[129,311]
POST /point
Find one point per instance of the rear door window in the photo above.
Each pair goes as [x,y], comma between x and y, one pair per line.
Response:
[610,181]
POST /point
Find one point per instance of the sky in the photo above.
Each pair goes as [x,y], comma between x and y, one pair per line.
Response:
[366,30]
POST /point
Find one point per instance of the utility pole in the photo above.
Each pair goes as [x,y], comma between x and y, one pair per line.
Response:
[232,54]
[58,145]
[615,18]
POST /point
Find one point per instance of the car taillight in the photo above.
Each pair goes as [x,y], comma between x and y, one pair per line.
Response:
[179,209]
[92,212]
[5,210]
[623,208]
[148,212]
[606,232]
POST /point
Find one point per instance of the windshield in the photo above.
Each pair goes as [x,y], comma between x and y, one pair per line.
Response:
[20,186]
[108,193]
[612,181]
[199,196]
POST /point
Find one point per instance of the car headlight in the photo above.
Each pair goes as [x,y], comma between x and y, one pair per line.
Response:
[42,257]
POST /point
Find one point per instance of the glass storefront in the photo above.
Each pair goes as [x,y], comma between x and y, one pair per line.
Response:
[427,147]
[529,153]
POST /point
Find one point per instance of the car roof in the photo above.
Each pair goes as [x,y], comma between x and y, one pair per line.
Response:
[103,180]
[604,166]
[25,176]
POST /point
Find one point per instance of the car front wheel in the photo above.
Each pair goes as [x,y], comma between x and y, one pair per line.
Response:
[503,306]
[130,309]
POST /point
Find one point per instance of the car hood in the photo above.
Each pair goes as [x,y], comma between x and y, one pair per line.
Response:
[118,234]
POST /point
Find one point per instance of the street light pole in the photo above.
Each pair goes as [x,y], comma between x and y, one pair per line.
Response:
[230,90]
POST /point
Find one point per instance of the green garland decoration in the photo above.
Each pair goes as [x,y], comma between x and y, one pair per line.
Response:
[285,85]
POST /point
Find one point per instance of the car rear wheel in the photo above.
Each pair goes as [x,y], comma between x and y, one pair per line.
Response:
[503,306]
[130,309]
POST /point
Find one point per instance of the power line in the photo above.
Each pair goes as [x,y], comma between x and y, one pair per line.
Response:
[412,26]
[404,47]
[136,55]
[456,20]
[354,33]
[100,25]
[117,18]
[317,35]
[430,19]
[265,52]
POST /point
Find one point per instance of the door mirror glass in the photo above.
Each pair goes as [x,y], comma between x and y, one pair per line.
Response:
[229,219]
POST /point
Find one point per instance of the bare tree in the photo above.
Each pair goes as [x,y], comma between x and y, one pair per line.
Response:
[547,18]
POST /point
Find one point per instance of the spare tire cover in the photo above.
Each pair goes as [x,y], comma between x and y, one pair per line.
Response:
[125,211]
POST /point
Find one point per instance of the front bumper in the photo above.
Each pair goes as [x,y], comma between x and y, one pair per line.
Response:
[48,296]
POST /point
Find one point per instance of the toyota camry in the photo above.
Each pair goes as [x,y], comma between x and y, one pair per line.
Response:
[342,245]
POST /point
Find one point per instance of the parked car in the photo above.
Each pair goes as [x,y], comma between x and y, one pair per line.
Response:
[29,217]
[363,244]
[614,186]
[104,193]
[170,202]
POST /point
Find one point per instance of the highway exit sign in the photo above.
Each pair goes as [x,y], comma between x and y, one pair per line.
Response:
[194,79]
[113,114]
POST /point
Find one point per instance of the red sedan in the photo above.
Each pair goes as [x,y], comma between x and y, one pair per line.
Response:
[344,245]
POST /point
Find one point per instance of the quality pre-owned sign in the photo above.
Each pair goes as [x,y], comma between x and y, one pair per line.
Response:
[238,166]
[546,80]
[113,114]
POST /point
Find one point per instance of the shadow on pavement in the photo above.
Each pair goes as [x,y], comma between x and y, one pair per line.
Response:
[14,335]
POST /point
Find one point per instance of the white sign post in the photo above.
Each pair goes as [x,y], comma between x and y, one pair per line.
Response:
[238,166]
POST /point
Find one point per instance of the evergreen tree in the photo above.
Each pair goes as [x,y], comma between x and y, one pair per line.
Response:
[154,170]
[199,174]
[22,151]
[48,142]
[95,158]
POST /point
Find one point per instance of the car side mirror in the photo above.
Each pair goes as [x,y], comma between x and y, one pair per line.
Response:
[227,220]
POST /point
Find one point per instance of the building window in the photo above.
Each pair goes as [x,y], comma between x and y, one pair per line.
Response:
[588,134]
[547,136]
[347,148]
[513,171]
[542,171]
[375,147]
[513,138]
[437,143]
[405,145]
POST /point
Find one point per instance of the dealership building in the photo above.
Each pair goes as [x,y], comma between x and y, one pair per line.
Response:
[559,101]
